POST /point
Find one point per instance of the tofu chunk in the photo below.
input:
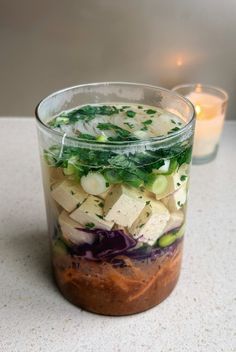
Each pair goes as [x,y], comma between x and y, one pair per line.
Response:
[69,195]
[104,194]
[91,212]
[176,200]
[176,220]
[70,230]
[150,224]
[123,205]
[175,181]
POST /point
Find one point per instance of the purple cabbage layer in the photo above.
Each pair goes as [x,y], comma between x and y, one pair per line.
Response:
[110,244]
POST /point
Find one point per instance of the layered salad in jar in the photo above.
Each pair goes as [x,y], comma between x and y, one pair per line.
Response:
[117,216]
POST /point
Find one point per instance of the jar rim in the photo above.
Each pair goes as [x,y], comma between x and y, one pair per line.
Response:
[112,144]
[225,96]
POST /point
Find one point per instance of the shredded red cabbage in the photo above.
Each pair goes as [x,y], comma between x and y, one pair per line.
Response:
[107,245]
[110,244]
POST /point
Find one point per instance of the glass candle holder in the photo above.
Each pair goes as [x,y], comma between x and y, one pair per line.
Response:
[210,106]
[116,209]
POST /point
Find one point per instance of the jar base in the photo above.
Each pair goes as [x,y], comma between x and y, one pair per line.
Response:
[120,298]
[205,159]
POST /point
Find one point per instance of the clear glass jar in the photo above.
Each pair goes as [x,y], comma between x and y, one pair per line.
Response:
[109,268]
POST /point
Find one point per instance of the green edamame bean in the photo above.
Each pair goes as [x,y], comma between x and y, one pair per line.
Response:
[167,240]
[59,248]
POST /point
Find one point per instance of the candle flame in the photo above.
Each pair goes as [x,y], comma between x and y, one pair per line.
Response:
[198,109]
[179,62]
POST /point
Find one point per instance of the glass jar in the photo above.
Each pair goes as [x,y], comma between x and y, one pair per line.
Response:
[210,105]
[124,257]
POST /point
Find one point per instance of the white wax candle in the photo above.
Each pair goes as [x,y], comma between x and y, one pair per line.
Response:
[209,122]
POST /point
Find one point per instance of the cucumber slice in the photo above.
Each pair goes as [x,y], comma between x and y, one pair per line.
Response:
[113,176]
[62,120]
[157,184]
[69,170]
[173,166]
[71,167]
[94,183]
[101,138]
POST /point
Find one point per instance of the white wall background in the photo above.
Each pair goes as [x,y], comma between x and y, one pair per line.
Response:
[46,45]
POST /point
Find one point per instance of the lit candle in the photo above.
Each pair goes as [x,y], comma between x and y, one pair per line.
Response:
[210,106]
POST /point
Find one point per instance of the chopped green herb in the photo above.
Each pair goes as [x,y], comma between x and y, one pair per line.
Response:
[150,111]
[173,121]
[148,202]
[174,130]
[143,128]
[130,125]
[132,169]
[86,136]
[178,184]
[141,226]
[107,184]
[130,113]
[78,205]
[88,110]
[101,204]
[123,134]
[90,225]
[93,110]
[147,122]
[72,192]
[140,107]
[183,177]
[59,121]
[100,216]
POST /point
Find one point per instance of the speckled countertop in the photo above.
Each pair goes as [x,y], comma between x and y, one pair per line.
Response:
[198,316]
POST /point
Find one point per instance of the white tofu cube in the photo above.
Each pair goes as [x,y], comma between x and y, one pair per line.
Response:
[69,195]
[123,205]
[70,230]
[176,200]
[104,194]
[91,212]
[176,220]
[150,224]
